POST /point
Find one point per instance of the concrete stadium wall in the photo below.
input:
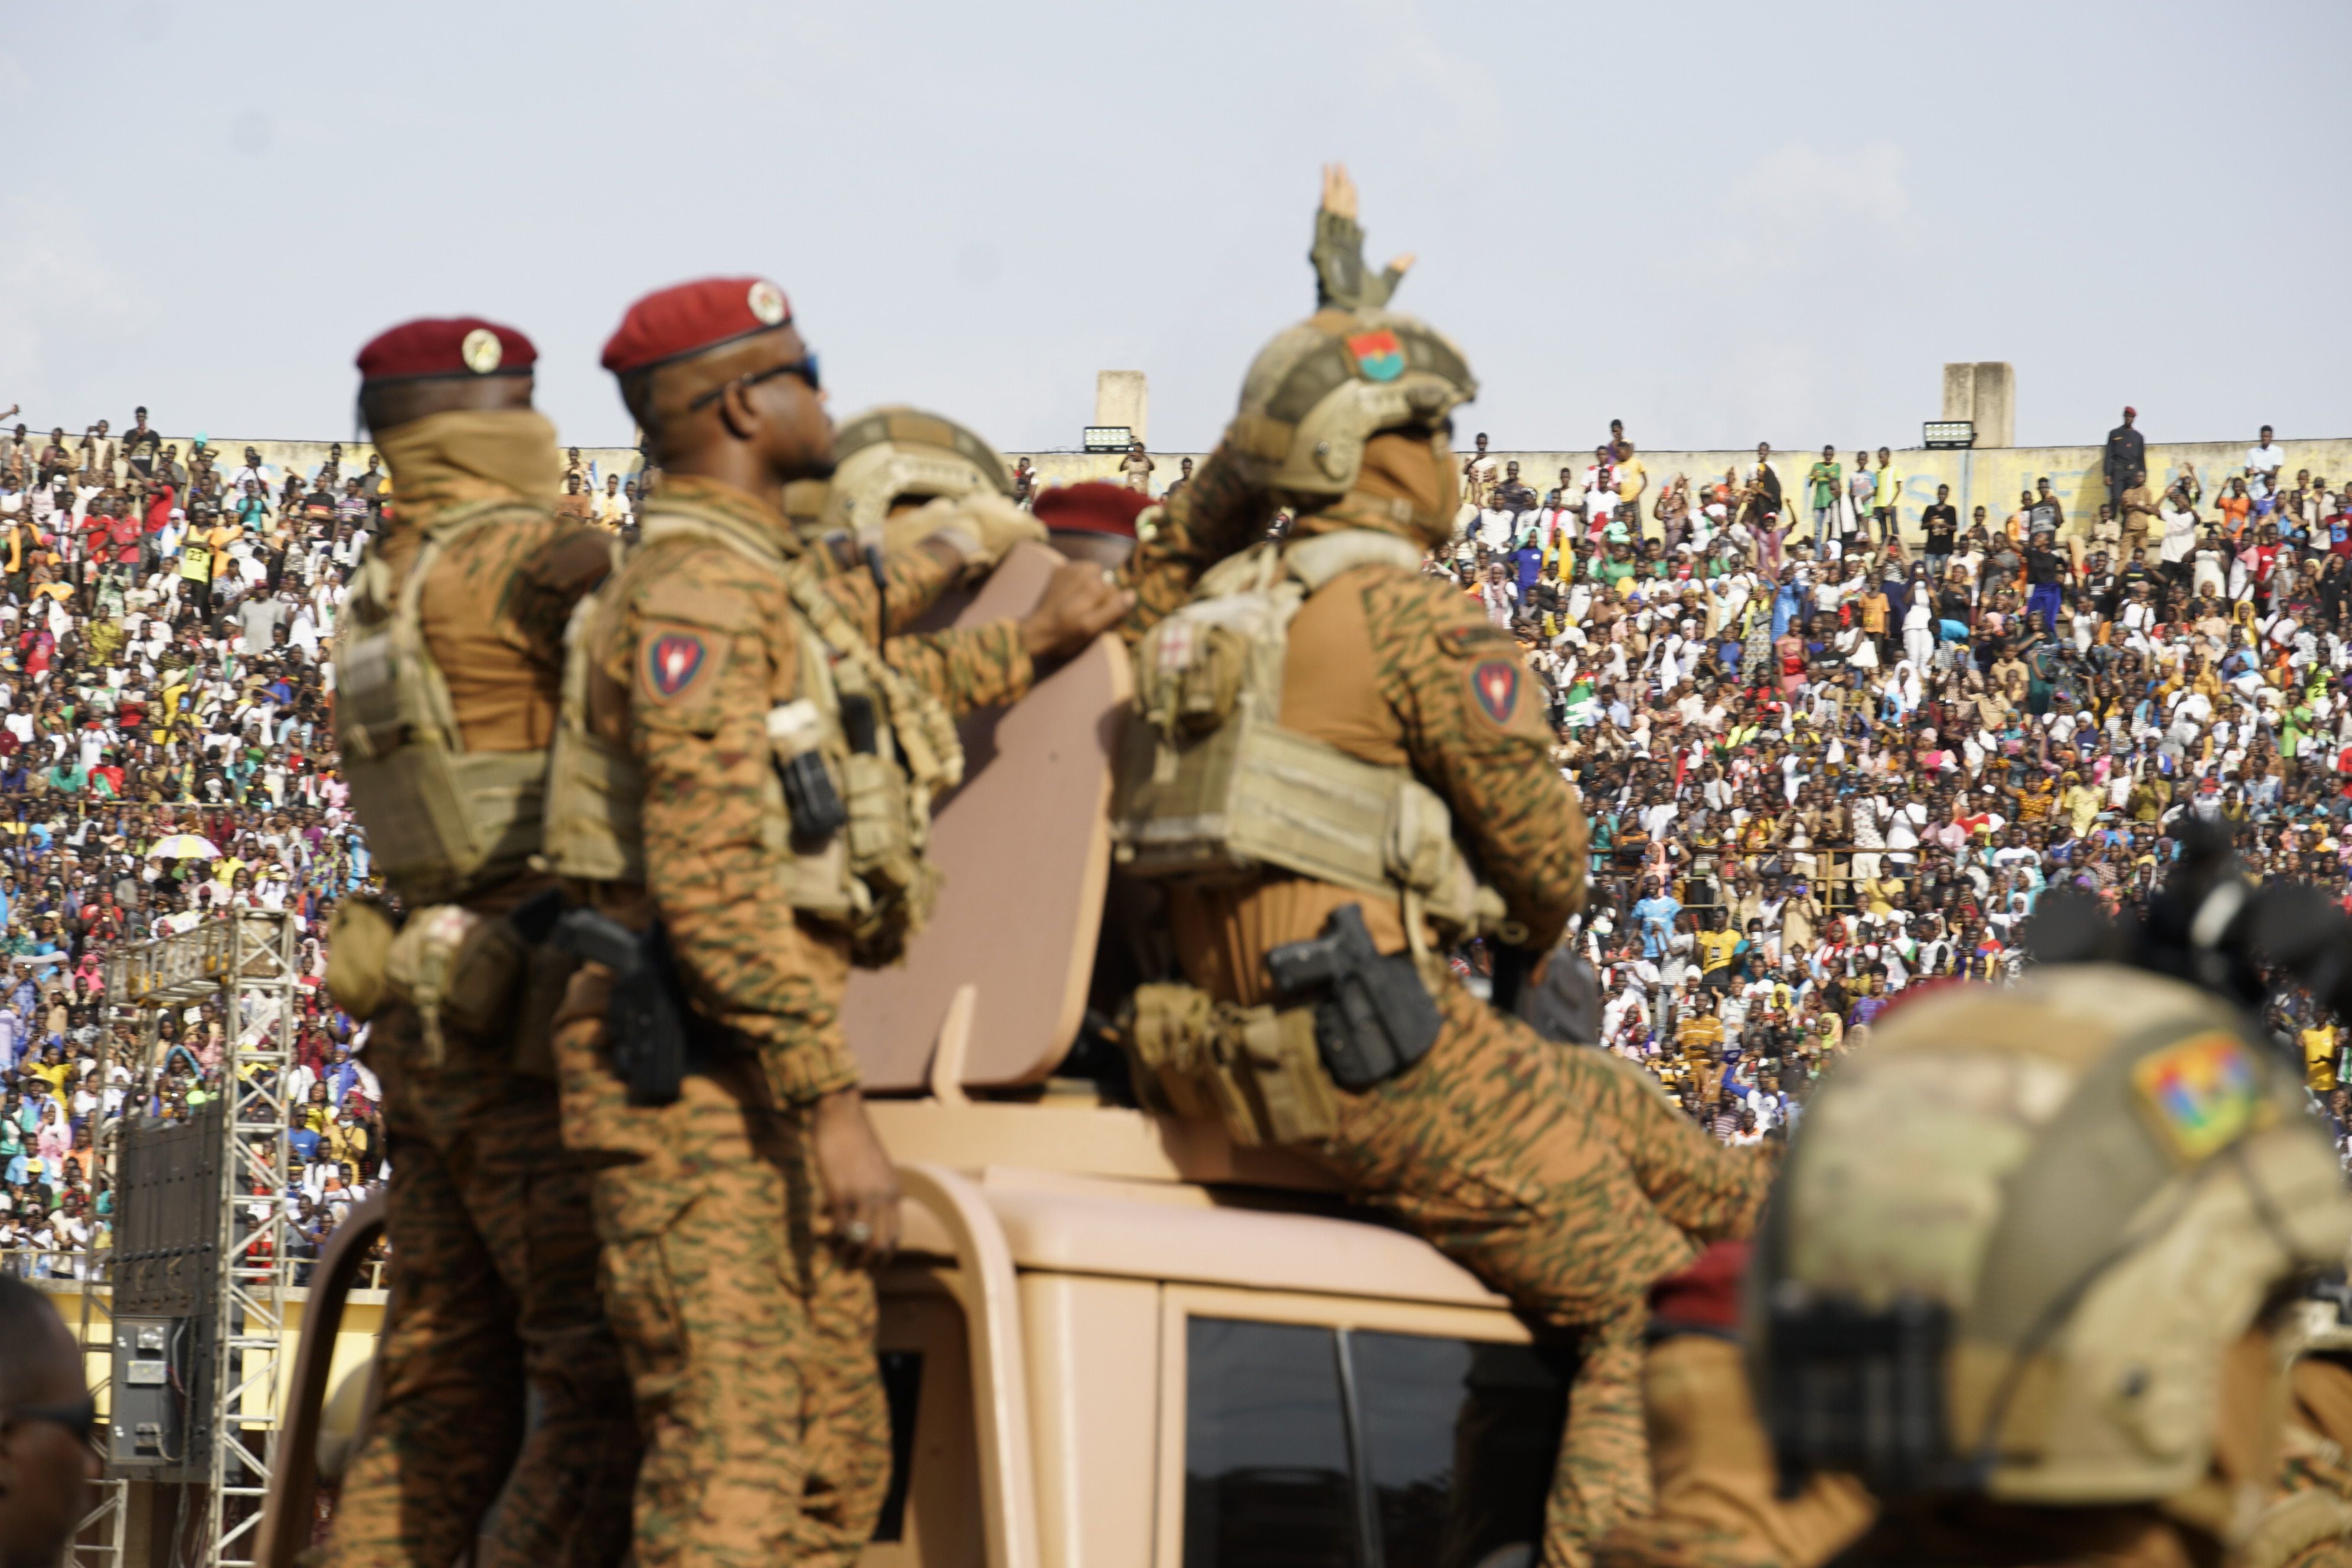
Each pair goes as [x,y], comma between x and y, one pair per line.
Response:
[1991,478]
[278,458]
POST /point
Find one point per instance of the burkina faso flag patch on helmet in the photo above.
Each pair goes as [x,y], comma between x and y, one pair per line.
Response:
[1378,355]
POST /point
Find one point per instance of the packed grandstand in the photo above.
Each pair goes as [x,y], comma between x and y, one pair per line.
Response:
[1828,746]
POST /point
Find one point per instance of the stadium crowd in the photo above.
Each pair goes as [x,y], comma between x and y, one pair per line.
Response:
[1825,753]
[164,754]
[1826,756]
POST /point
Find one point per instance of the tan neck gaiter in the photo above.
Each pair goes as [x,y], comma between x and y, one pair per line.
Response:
[1400,466]
[468,455]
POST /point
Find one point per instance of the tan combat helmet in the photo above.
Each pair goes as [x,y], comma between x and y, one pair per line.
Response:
[1321,389]
[2015,1237]
[895,453]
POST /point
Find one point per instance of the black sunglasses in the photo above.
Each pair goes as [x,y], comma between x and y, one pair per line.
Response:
[804,368]
[80,1418]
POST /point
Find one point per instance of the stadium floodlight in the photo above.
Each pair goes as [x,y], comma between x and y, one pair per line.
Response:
[1107,438]
[1949,433]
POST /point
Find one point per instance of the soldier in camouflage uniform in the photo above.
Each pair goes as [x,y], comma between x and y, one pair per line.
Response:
[740,1221]
[1562,1177]
[2024,1277]
[459,607]
[937,500]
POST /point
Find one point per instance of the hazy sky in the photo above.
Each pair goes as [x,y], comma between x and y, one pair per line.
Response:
[1720,222]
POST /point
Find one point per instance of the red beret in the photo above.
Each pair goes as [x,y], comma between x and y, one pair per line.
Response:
[671,323]
[1091,508]
[1707,1294]
[457,345]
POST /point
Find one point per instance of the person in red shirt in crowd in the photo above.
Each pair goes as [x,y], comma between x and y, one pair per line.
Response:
[163,501]
[122,535]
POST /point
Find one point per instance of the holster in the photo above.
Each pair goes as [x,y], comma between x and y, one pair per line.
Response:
[1256,1070]
[648,1028]
[1373,1014]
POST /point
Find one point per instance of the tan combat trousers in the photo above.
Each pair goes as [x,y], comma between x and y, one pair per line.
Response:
[750,1344]
[493,1292]
[1566,1179]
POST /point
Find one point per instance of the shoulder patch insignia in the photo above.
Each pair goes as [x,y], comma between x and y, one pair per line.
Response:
[1495,685]
[2202,1094]
[671,661]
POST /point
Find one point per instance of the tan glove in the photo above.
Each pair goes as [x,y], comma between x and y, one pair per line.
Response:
[979,527]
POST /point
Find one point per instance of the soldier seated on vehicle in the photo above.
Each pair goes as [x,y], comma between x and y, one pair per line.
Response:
[1323,678]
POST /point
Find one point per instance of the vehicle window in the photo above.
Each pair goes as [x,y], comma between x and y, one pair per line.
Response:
[1266,1479]
[1313,1448]
[1459,1439]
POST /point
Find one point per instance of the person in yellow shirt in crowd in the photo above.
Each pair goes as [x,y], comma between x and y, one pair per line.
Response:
[1878,894]
[1632,478]
[196,570]
[1886,501]
[1700,1035]
[2318,1038]
[1716,945]
[2080,802]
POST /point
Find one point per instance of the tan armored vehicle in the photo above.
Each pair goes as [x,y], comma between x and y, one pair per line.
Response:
[1115,1339]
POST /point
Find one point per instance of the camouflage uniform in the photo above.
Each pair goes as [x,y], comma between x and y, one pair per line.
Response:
[1563,1178]
[494,1278]
[749,1342]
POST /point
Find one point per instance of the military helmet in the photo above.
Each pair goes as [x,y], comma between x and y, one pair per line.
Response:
[885,454]
[1321,389]
[2019,1231]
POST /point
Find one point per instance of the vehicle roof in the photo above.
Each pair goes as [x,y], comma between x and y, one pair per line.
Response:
[1089,1189]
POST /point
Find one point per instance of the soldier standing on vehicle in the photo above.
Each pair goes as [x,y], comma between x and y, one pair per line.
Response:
[742,789]
[1339,685]
[448,667]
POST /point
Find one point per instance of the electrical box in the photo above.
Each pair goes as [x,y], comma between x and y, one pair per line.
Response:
[160,1425]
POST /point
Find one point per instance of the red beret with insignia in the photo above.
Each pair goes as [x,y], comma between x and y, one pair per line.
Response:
[454,345]
[1091,508]
[690,318]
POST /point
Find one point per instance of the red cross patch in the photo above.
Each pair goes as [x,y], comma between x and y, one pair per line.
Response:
[1496,684]
[672,661]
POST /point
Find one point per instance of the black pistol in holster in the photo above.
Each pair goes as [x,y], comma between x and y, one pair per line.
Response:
[645,1023]
[1374,1018]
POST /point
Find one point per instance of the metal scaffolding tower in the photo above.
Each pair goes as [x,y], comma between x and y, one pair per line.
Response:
[249,959]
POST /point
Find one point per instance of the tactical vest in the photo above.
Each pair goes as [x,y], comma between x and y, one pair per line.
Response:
[442,823]
[1212,789]
[869,879]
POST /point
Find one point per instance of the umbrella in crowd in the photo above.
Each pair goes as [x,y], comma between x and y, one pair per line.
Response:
[184,846]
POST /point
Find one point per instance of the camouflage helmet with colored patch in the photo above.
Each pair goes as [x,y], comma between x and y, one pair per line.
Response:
[1321,389]
[891,453]
[2019,1231]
